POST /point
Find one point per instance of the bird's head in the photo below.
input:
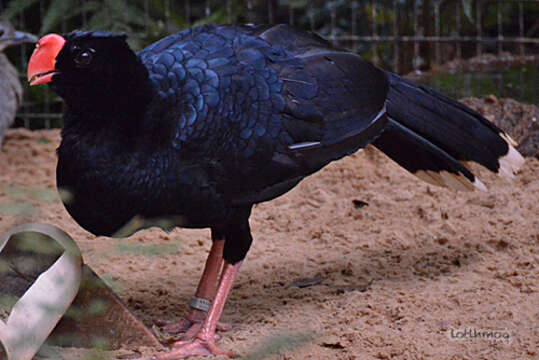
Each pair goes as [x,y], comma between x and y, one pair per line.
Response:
[86,66]
[10,37]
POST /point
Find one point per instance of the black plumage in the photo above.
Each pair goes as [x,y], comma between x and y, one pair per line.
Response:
[198,127]
[203,124]
[462,132]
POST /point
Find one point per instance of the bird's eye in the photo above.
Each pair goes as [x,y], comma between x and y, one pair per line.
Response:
[84,57]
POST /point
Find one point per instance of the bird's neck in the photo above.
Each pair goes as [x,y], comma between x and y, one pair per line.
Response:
[123,98]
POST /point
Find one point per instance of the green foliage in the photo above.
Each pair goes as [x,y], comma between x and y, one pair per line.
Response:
[297,4]
[41,195]
[16,7]
[467,9]
[36,243]
[97,351]
[114,283]
[16,209]
[519,82]
[21,206]
[95,308]
[58,10]
[220,15]
[131,17]
[143,21]
[147,250]
[278,344]
[6,303]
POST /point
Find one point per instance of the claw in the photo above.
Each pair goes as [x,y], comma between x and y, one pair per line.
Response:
[191,327]
[193,347]
[178,327]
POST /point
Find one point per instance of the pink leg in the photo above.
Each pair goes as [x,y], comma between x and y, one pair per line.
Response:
[203,343]
[205,290]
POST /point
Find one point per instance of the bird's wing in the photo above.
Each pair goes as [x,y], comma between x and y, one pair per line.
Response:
[266,105]
[10,94]
[328,91]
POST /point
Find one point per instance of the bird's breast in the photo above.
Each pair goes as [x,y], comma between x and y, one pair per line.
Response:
[106,190]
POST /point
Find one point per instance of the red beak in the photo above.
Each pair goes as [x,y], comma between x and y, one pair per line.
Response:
[41,67]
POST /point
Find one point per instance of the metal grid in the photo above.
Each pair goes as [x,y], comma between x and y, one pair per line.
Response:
[366,34]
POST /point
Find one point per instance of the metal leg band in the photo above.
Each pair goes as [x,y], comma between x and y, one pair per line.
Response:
[200,304]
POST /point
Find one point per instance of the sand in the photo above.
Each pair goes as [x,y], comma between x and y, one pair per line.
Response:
[405,266]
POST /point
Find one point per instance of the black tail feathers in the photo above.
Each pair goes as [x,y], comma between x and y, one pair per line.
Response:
[432,136]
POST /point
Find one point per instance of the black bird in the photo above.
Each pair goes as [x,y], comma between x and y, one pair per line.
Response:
[10,86]
[198,127]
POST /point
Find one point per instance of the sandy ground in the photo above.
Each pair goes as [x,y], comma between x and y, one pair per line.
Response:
[400,275]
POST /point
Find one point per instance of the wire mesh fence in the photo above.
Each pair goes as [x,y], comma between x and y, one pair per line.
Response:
[398,35]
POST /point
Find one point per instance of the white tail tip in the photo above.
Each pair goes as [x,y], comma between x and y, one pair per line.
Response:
[510,162]
[454,181]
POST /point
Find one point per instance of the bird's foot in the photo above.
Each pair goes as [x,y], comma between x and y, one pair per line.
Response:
[203,341]
[198,346]
[191,327]
[178,327]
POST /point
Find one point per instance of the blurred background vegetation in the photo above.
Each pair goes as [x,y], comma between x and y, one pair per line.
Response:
[350,24]
[148,20]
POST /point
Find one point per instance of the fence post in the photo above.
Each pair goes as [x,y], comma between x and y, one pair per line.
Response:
[228,12]
[457,39]
[416,62]
[270,12]
[188,12]
[521,26]
[167,11]
[46,95]
[207,10]
[375,59]
[353,31]
[311,15]
[85,15]
[353,19]
[437,31]
[333,22]
[500,34]
[395,36]
[479,44]
[25,118]
[250,15]
[290,15]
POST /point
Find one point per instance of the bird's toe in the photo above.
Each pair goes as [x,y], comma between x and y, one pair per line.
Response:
[193,347]
[191,327]
[178,327]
